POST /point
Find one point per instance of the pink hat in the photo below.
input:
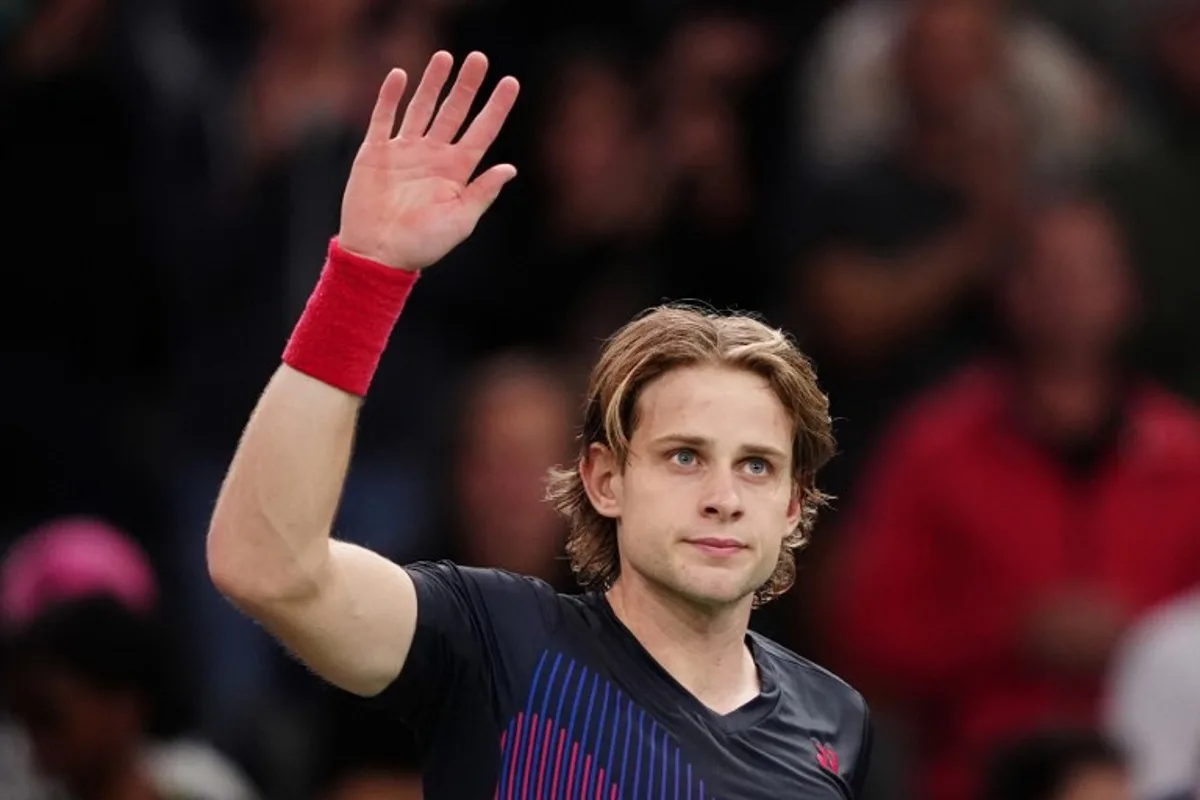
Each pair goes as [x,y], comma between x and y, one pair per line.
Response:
[68,558]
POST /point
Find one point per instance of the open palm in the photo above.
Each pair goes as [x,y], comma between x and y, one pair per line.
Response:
[410,198]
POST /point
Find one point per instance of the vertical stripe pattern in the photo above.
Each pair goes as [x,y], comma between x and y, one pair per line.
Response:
[579,737]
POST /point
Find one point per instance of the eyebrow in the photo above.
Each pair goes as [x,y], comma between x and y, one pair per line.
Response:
[701,442]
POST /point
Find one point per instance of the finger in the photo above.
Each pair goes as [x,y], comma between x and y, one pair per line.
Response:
[383,118]
[483,191]
[424,101]
[487,124]
[454,110]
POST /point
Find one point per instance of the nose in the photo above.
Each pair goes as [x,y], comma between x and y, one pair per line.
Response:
[722,501]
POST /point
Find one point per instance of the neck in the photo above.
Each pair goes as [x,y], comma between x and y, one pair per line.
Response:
[1070,400]
[702,648]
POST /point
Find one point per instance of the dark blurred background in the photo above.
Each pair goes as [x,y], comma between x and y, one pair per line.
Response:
[980,217]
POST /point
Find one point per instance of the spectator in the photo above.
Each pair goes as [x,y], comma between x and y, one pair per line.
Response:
[1020,518]
[1154,702]
[850,86]
[89,678]
[1069,765]
[902,249]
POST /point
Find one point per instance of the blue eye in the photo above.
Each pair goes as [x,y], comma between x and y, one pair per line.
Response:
[758,466]
[684,458]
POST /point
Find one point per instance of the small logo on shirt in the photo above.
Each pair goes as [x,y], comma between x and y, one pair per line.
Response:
[827,757]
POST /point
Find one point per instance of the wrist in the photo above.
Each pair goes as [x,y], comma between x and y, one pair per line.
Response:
[348,320]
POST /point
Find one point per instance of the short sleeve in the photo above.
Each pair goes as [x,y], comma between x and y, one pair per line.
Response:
[862,765]
[475,629]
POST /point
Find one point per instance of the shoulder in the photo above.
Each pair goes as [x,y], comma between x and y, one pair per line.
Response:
[498,596]
[819,689]
[1167,427]
[949,414]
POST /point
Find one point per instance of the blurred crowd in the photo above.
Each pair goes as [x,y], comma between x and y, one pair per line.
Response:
[980,217]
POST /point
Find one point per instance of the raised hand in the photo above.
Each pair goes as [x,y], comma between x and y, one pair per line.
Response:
[410,198]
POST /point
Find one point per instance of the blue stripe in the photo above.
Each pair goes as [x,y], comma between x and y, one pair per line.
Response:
[637,770]
[663,795]
[600,729]
[562,696]
[625,757]
[504,759]
[537,673]
[612,742]
[571,728]
[539,742]
[676,773]
[549,686]
[587,723]
[702,789]
[689,773]
[651,761]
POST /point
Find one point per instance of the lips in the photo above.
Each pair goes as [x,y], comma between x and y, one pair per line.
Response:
[718,546]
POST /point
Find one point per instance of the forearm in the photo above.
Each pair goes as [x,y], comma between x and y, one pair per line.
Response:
[269,540]
[867,305]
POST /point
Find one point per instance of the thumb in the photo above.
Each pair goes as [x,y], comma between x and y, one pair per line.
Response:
[483,191]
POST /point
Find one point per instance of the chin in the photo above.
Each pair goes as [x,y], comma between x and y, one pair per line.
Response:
[714,591]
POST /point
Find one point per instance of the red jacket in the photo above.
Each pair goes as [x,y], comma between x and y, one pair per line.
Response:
[964,522]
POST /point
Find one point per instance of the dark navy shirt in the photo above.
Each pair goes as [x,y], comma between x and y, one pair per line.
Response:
[516,691]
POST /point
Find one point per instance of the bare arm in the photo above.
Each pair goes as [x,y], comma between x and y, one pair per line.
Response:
[345,611]
[348,613]
[864,308]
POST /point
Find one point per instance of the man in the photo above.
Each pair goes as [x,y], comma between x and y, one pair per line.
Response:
[696,480]
[1021,516]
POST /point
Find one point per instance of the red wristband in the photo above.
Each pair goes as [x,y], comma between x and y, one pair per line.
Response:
[348,319]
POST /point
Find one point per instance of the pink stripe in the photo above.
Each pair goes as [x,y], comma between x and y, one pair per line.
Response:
[599,795]
[557,763]
[545,752]
[529,755]
[587,771]
[613,796]
[503,739]
[512,768]
[571,774]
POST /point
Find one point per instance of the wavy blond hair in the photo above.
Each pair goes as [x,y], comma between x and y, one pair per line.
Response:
[660,340]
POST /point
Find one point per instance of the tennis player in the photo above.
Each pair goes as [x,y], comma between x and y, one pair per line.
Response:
[694,485]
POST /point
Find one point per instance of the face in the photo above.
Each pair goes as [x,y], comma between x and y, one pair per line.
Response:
[1097,783]
[707,496]
[1072,295]
[585,139]
[950,57]
[517,429]
[77,731]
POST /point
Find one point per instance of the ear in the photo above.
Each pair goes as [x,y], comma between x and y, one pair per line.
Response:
[795,505]
[601,475]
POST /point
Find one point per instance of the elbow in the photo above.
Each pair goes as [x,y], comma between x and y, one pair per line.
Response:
[251,569]
[227,568]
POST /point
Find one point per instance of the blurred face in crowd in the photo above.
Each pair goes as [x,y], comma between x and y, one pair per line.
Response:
[80,733]
[311,20]
[706,497]
[518,426]
[1097,782]
[585,138]
[1176,46]
[1070,297]
[949,57]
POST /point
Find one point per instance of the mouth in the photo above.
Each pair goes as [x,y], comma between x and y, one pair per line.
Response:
[718,547]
